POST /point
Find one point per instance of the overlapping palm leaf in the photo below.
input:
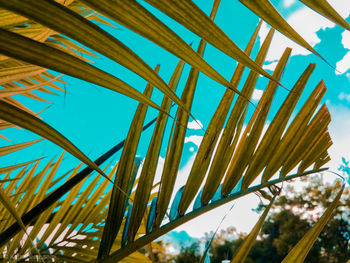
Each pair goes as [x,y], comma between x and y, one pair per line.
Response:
[18,77]
[70,226]
[245,147]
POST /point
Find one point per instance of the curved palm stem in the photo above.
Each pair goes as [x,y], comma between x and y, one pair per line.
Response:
[141,242]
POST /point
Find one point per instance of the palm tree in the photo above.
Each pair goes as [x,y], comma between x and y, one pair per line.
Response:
[111,224]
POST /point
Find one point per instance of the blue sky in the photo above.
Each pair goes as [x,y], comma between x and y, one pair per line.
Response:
[95,119]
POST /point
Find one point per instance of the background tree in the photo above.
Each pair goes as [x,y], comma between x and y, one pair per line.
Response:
[293,214]
[189,254]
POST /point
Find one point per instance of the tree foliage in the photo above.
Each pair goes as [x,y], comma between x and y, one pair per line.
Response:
[294,214]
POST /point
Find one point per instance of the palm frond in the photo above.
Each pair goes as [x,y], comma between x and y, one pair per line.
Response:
[325,9]
[229,160]
[134,16]
[175,147]
[73,25]
[149,167]
[244,249]
[13,148]
[123,179]
[246,145]
[21,118]
[66,222]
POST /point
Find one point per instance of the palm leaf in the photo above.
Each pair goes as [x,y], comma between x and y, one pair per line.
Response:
[67,22]
[174,151]
[53,197]
[13,148]
[217,122]
[325,9]
[19,117]
[252,132]
[291,137]
[15,89]
[17,73]
[312,134]
[193,18]
[254,129]
[147,175]
[141,242]
[134,16]
[123,178]
[10,207]
[278,124]
[206,149]
[34,52]
[265,10]
[66,213]
[244,249]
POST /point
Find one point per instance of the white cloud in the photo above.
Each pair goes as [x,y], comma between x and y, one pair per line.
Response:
[257,94]
[160,167]
[271,66]
[210,220]
[339,130]
[193,125]
[341,6]
[288,3]
[344,64]
[346,39]
[344,96]
[196,139]
[306,22]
